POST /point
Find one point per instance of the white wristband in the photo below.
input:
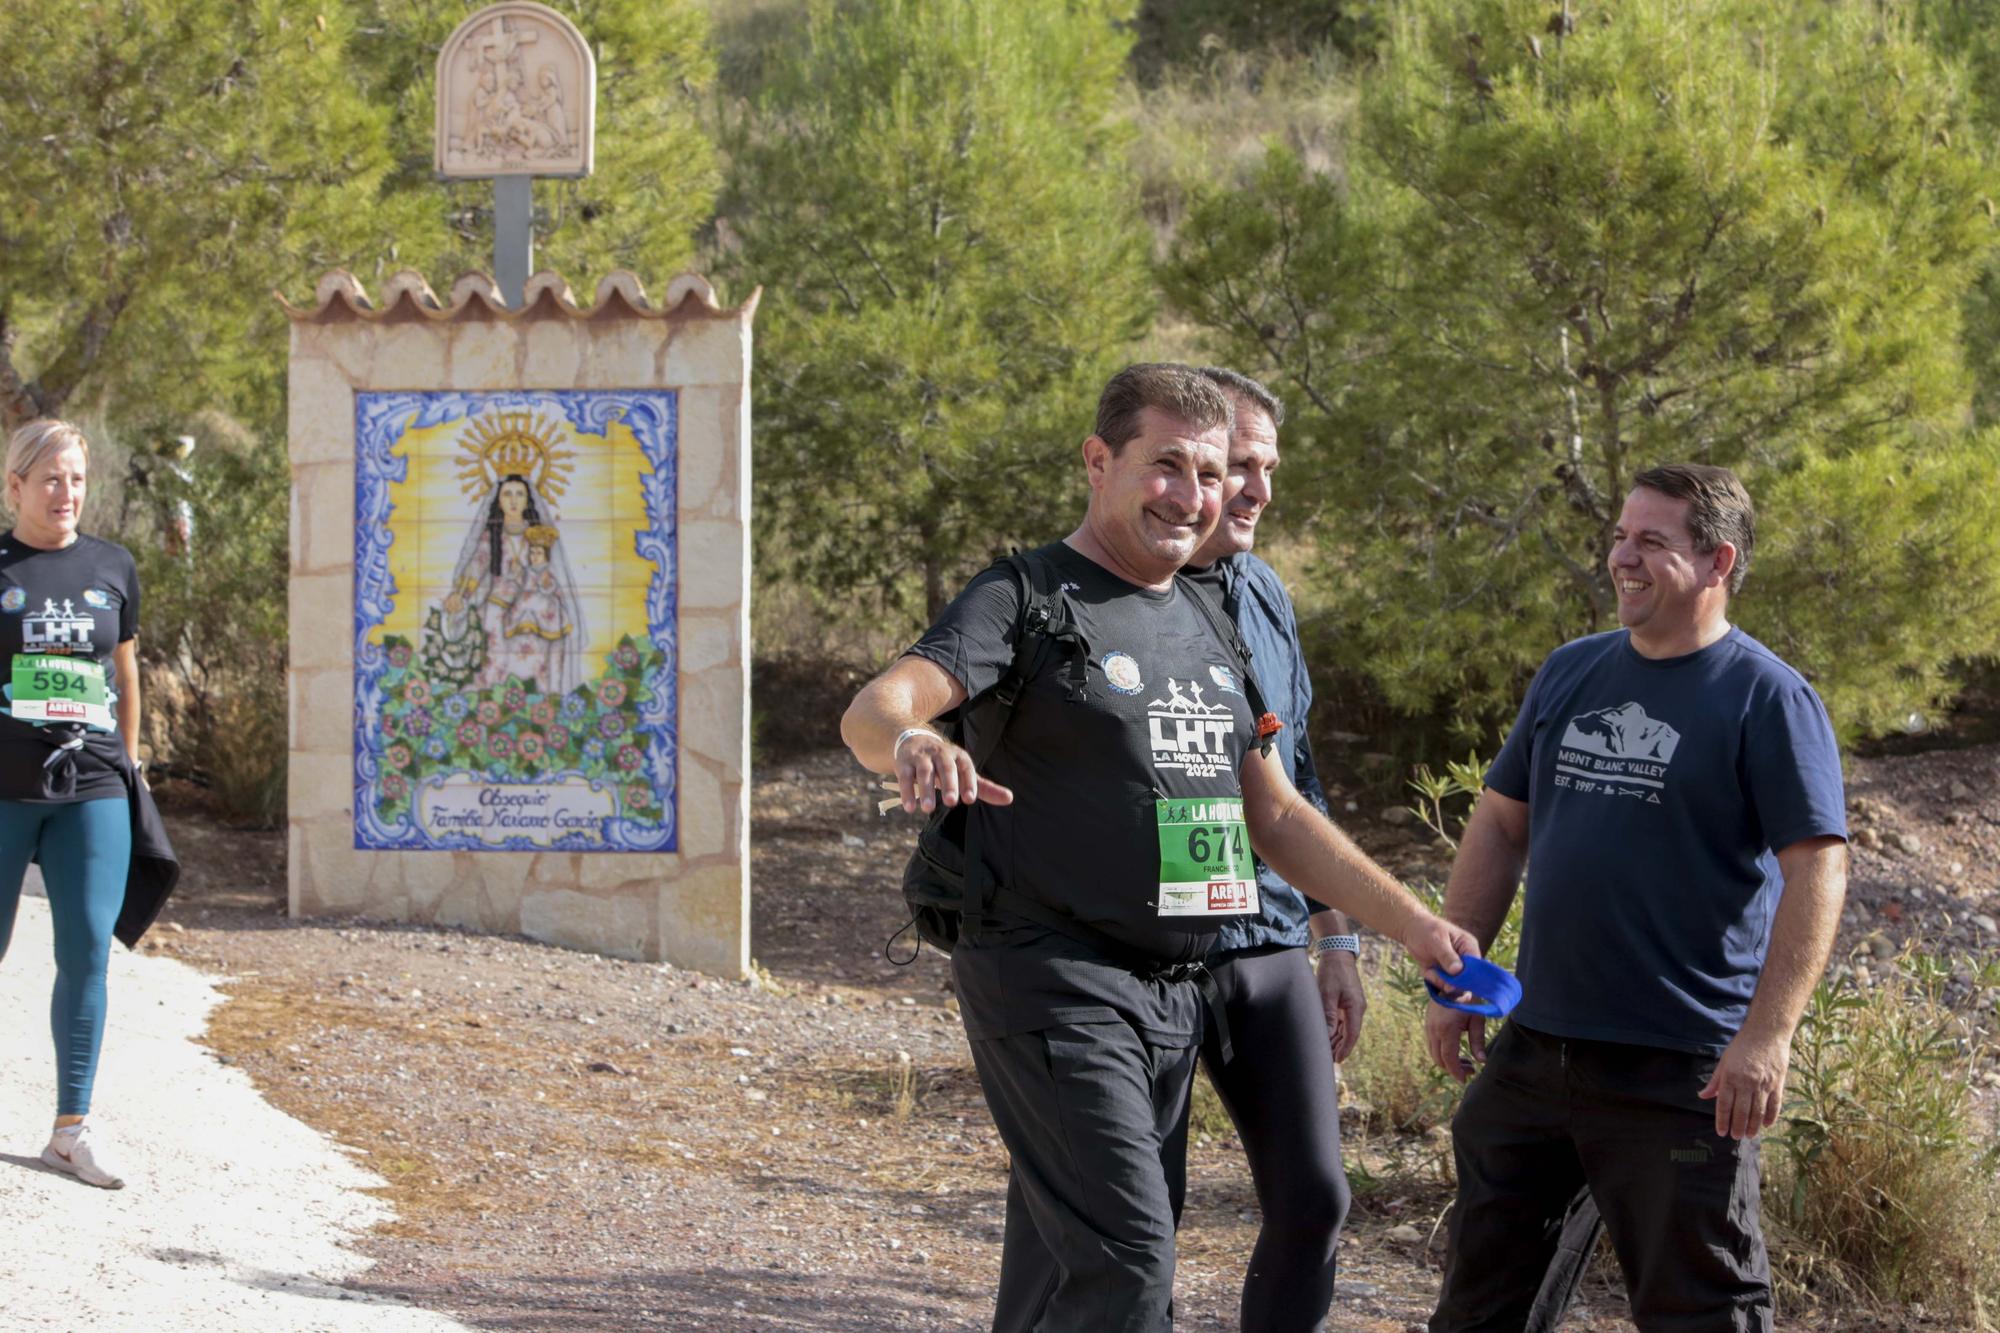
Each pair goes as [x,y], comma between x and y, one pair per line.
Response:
[908,732]
[1344,943]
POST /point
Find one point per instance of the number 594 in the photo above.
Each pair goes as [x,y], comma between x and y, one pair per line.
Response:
[57,682]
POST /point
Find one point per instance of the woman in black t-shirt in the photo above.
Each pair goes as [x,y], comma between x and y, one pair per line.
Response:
[69,740]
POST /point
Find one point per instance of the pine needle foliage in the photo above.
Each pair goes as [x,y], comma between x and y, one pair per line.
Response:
[934,195]
[1574,243]
[164,164]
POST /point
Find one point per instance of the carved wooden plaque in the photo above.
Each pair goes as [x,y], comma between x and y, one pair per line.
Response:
[516,95]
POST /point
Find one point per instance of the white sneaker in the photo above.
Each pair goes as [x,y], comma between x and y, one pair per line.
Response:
[75,1150]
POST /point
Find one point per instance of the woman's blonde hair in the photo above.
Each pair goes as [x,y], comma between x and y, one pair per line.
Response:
[37,440]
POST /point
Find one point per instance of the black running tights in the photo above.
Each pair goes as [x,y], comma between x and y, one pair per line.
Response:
[1279,1089]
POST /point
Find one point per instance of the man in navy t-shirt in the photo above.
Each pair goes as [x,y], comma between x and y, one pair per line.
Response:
[1675,791]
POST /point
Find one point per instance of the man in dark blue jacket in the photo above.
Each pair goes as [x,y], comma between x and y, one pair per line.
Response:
[1281,1095]
[1289,1028]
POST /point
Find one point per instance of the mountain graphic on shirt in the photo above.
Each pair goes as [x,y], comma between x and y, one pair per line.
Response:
[1624,732]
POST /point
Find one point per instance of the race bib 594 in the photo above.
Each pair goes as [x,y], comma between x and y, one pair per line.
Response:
[60,689]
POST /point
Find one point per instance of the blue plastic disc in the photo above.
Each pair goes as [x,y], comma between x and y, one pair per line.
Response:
[1498,989]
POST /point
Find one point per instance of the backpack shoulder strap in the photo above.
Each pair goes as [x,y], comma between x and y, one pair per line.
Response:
[1046,624]
[999,701]
[1225,630]
[1042,625]
[1038,608]
[1232,590]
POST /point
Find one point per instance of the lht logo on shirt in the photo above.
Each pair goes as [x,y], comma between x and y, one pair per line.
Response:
[1617,752]
[1188,732]
[50,630]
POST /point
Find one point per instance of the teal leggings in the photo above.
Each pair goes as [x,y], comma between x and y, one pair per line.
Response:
[86,851]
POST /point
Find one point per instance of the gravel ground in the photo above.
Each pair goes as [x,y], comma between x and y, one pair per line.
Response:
[572,1142]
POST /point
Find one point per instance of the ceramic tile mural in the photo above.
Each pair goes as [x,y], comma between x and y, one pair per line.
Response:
[514,595]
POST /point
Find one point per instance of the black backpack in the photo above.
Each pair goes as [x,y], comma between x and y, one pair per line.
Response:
[936,884]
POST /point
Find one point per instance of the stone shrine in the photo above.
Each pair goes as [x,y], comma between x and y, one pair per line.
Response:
[520,613]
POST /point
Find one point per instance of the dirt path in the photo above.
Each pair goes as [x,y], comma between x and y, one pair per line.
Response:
[572,1142]
[235,1215]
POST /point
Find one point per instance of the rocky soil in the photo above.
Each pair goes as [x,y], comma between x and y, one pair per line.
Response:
[581,1143]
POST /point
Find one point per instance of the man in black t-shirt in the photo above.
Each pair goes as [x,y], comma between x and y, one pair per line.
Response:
[1127,808]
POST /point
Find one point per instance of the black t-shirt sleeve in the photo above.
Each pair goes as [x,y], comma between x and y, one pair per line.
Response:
[128,610]
[973,639]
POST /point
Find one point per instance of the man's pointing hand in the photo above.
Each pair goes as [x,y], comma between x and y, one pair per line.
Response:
[930,769]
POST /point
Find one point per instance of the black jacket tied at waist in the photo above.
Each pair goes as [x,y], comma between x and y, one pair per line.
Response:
[154,869]
[59,769]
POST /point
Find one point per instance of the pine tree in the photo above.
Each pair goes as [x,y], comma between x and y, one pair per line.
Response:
[655,177]
[931,192]
[1576,244]
[163,163]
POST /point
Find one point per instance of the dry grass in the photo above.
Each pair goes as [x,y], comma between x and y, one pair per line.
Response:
[1209,126]
[259,1020]
[429,1188]
[787,621]
[1206,1116]
[431,1176]
[745,34]
[1882,1185]
[1396,1086]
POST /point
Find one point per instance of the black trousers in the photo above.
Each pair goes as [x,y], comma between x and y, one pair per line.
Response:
[1281,1093]
[1095,1119]
[1548,1115]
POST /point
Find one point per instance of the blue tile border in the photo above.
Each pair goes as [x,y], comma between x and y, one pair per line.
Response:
[381,420]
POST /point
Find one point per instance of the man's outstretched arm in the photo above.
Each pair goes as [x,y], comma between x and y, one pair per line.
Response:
[901,703]
[1306,848]
[1484,878]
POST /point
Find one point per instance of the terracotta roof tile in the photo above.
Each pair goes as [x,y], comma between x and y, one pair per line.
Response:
[340,297]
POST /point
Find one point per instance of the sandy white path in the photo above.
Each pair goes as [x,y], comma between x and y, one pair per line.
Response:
[233,1214]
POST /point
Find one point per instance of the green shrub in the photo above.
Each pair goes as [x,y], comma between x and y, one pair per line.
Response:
[1881,1184]
[214,621]
[1880,1187]
[1399,1087]
[1391,1070]
[1718,230]
[941,187]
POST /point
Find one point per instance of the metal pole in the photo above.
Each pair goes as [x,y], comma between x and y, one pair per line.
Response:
[513,235]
